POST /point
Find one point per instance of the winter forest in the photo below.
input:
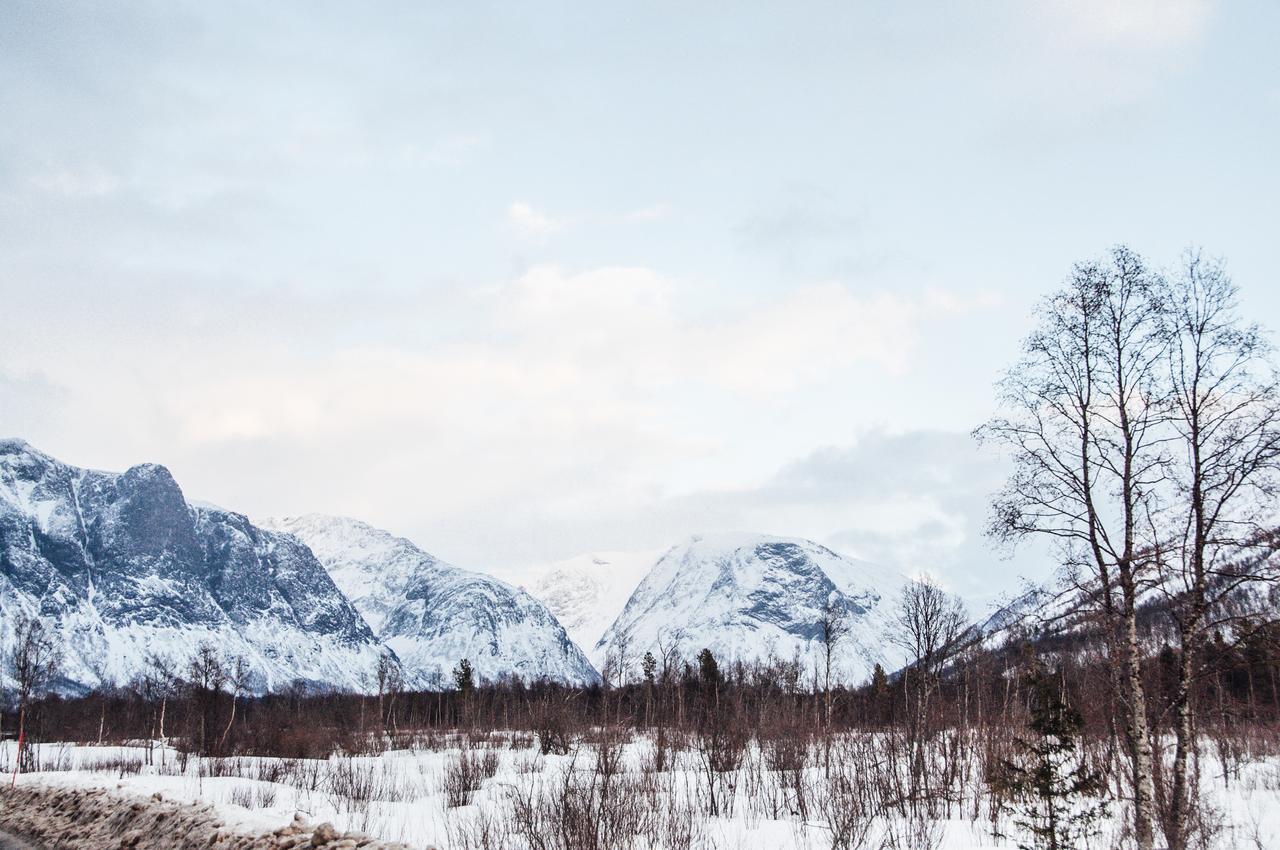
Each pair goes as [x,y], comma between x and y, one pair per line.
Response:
[662,426]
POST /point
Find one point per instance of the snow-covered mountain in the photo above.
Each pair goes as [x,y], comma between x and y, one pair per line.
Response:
[587,593]
[433,614]
[752,597]
[122,566]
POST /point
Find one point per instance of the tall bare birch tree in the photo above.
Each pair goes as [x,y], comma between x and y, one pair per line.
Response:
[1082,415]
[1225,415]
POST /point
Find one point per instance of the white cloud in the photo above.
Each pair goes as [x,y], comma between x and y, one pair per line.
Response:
[565,350]
[622,321]
[452,150]
[531,224]
[653,212]
[1082,60]
[1133,24]
[569,398]
[89,182]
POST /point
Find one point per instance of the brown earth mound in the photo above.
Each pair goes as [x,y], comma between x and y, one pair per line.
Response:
[95,819]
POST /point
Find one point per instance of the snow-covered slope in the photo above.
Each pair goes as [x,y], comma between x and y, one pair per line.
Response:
[433,614]
[752,597]
[121,566]
[588,592]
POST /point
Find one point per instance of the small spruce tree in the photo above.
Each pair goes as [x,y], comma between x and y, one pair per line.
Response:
[464,677]
[708,667]
[879,695]
[709,673]
[649,666]
[1052,793]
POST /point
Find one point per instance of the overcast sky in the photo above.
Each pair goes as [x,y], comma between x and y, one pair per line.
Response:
[529,280]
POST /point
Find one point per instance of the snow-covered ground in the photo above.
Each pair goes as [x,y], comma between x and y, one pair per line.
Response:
[416,796]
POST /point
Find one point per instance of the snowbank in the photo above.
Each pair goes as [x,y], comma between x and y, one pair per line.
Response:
[93,818]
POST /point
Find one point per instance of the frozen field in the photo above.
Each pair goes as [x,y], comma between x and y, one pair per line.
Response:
[498,791]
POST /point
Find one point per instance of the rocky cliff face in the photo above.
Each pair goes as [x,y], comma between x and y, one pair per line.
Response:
[123,568]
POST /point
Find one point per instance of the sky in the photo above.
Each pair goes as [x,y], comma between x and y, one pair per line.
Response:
[524,281]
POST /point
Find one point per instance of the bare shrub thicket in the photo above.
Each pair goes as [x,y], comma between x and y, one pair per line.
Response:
[465,773]
[845,802]
[591,804]
[353,783]
[479,829]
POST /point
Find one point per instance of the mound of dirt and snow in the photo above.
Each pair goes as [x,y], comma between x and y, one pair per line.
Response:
[96,818]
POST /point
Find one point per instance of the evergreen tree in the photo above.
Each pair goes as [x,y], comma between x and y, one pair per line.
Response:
[708,667]
[464,677]
[880,694]
[649,666]
[710,676]
[1053,794]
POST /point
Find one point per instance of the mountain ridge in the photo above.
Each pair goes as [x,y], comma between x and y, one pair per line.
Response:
[405,594]
[123,567]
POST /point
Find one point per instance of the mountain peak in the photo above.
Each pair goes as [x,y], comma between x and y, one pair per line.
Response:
[752,596]
[20,457]
[15,445]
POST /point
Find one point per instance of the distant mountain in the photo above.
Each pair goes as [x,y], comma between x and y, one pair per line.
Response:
[587,593]
[751,597]
[1240,589]
[433,614]
[121,565]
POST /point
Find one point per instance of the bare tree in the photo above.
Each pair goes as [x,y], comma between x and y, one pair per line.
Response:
[159,679]
[617,661]
[928,626]
[387,673]
[106,685]
[237,676]
[833,628]
[156,685]
[1226,415]
[668,644]
[1083,418]
[33,663]
[394,687]
[206,677]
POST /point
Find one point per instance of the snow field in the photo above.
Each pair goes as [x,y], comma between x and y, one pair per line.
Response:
[499,792]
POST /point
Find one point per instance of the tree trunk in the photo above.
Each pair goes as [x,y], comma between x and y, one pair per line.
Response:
[1139,735]
[230,720]
[1179,799]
